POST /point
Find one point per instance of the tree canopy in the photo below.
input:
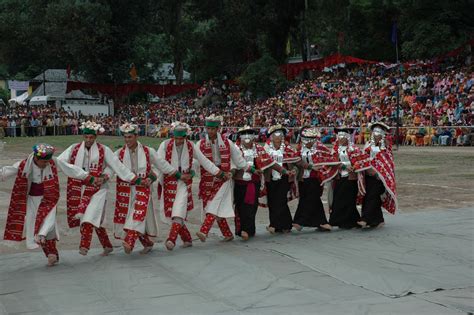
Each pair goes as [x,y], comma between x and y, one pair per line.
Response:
[217,38]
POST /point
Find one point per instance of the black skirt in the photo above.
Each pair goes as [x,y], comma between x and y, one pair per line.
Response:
[245,213]
[372,206]
[277,195]
[310,211]
[344,211]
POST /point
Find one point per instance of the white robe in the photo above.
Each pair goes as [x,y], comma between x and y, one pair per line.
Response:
[49,228]
[181,162]
[149,226]
[222,205]
[95,211]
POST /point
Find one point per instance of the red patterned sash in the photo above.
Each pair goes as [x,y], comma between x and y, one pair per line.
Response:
[77,204]
[142,194]
[209,184]
[18,203]
[170,183]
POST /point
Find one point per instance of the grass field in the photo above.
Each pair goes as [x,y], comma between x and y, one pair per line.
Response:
[427,178]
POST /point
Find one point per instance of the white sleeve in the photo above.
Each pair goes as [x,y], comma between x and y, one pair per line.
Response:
[204,161]
[66,154]
[71,170]
[158,159]
[108,170]
[9,171]
[114,163]
[236,156]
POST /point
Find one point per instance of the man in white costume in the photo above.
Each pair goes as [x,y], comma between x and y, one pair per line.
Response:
[217,192]
[176,195]
[86,203]
[35,194]
[134,215]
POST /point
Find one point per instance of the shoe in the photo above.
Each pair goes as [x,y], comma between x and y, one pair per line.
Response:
[83,251]
[325,228]
[169,245]
[297,227]
[202,236]
[187,244]
[271,229]
[146,250]
[52,260]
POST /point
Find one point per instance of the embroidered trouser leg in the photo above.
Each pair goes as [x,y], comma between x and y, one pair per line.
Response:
[49,248]
[207,224]
[145,240]
[224,227]
[86,235]
[103,237]
[185,235]
[130,238]
[174,231]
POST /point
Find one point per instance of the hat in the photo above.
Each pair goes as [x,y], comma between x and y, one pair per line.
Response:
[91,128]
[247,130]
[379,127]
[180,129]
[213,121]
[128,128]
[276,128]
[310,132]
[43,151]
[344,129]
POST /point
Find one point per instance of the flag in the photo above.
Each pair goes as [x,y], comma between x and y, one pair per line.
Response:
[68,71]
[394,33]
[288,47]
[133,72]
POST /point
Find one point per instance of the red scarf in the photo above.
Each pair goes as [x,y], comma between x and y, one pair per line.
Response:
[323,156]
[384,166]
[18,203]
[360,160]
[122,196]
[76,203]
[209,184]
[170,183]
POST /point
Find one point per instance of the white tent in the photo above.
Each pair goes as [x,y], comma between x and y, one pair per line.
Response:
[39,100]
[19,99]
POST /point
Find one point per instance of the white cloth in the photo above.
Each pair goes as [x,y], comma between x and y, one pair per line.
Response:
[344,158]
[222,205]
[34,174]
[306,156]
[181,162]
[95,211]
[277,155]
[136,162]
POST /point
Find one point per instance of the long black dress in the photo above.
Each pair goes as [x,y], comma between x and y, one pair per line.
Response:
[277,195]
[310,211]
[344,211]
[245,212]
[372,206]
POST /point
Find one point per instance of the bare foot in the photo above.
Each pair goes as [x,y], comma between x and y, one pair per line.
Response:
[297,227]
[107,251]
[245,236]
[271,229]
[52,260]
[228,238]
[187,244]
[202,236]
[325,227]
[169,245]
[126,248]
[381,225]
[83,251]
[146,250]
[362,224]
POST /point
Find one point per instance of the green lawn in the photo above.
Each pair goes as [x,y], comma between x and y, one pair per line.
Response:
[62,142]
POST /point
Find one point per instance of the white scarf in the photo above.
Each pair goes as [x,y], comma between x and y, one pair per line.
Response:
[141,160]
[93,155]
[184,161]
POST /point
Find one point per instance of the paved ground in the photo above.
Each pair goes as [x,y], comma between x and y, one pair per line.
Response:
[420,263]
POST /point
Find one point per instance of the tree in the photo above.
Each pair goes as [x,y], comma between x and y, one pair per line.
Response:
[263,77]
